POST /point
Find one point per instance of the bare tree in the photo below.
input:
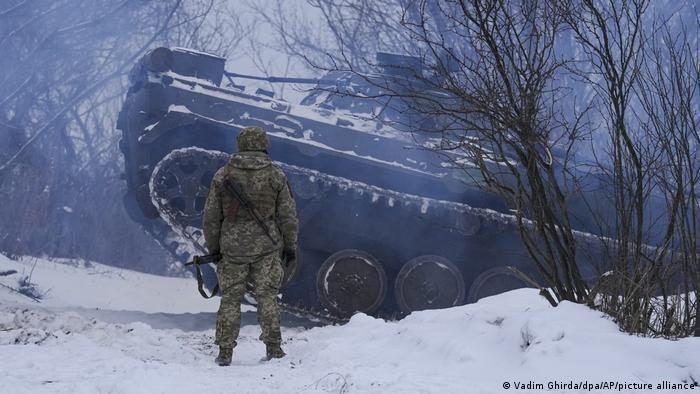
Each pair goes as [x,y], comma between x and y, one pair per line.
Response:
[337,32]
[669,95]
[513,132]
[645,78]
[65,65]
[611,36]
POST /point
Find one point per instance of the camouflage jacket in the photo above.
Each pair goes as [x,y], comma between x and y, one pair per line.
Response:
[267,188]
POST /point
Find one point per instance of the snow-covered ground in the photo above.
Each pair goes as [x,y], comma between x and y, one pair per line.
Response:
[144,338]
[70,283]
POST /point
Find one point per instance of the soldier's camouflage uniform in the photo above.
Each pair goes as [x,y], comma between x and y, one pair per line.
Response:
[249,254]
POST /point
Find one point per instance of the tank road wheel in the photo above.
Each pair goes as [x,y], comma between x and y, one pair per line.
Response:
[180,183]
[494,281]
[351,281]
[428,282]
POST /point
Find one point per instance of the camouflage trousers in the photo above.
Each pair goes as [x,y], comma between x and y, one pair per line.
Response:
[265,273]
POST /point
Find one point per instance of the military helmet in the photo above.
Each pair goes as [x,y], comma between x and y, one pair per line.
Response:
[252,139]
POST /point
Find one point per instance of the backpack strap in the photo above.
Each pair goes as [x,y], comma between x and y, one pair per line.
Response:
[237,194]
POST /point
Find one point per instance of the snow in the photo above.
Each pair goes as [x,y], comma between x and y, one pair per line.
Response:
[514,337]
[352,153]
[424,206]
[179,108]
[151,126]
[336,117]
[288,132]
[274,125]
[196,52]
[316,114]
[290,120]
[92,285]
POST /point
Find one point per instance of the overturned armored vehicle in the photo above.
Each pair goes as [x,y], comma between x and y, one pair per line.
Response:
[387,225]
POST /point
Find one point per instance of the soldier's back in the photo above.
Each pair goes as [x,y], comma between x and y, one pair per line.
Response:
[261,181]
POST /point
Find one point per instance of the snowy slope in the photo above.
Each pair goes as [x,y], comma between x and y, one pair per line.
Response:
[514,337]
[91,285]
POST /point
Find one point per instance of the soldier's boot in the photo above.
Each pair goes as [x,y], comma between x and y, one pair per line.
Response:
[225,356]
[274,351]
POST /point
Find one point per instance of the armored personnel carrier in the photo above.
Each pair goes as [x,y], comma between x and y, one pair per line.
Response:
[388,226]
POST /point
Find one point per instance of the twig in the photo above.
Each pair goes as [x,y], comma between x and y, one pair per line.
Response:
[35,299]
[86,92]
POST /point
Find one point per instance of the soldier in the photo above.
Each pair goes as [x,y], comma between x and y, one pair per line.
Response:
[250,249]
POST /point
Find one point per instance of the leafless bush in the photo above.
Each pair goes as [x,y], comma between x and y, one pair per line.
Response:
[669,95]
[645,77]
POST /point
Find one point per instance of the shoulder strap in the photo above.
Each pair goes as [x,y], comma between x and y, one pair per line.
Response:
[196,261]
[200,284]
[234,191]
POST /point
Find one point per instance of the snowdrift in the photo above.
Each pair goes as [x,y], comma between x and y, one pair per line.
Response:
[514,338]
